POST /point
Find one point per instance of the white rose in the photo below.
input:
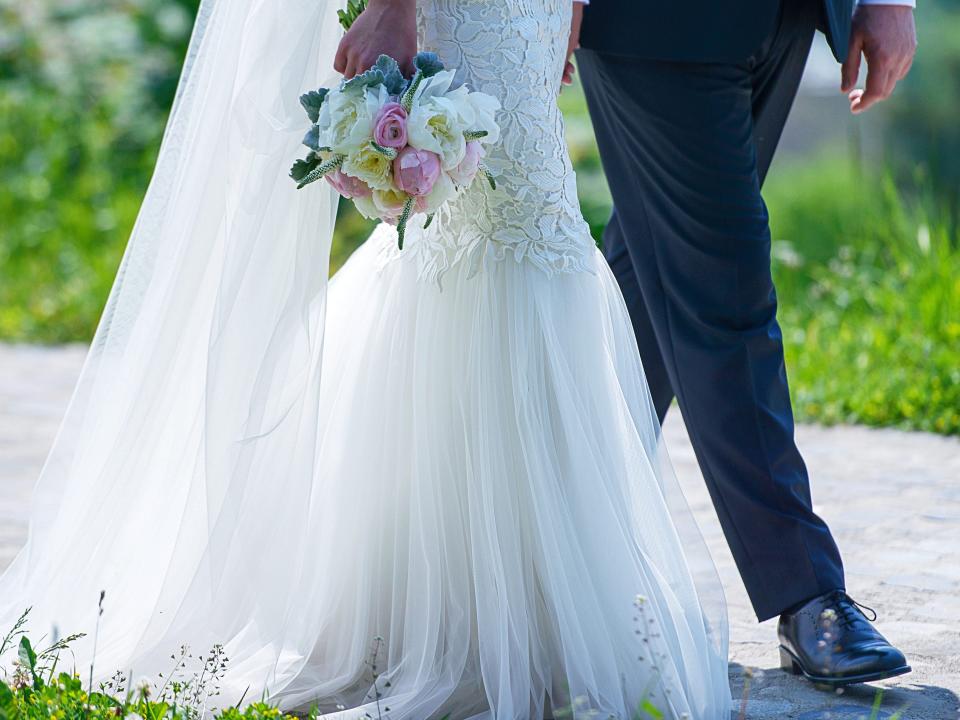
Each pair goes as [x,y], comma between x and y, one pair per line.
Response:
[370,166]
[437,122]
[389,203]
[443,190]
[464,173]
[434,86]
[437,127]
[366,207]
[485,108]
[346,120]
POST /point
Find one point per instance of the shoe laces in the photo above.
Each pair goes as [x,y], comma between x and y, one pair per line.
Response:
[849,610]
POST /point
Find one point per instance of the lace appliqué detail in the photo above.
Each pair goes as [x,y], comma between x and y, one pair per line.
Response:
[515,51]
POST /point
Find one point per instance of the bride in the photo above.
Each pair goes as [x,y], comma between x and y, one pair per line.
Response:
[447,460]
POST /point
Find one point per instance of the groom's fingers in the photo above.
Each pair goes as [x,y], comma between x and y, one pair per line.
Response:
[851,66]
[905,68]
[880,82]
[572,43]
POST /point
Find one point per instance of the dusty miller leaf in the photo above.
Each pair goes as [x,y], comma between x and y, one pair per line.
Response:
[427,63]
[393,79]
[312,101]
[302,168]
[312,138]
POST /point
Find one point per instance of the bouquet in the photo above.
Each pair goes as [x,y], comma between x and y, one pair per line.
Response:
[397,146]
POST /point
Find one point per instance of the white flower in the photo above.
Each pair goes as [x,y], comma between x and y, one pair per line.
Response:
[133,716]
[436,85]
[485,108]
[464,173]
[439,117]
[346,119]
[433,127]
[389,203]
[443,190]
[370,166]
[366,207]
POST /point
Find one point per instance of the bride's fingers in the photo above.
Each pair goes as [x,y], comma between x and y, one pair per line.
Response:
[340,60]
[351,69]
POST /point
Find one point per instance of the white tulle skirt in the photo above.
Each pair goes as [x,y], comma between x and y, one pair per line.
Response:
[491,520]
[466,484]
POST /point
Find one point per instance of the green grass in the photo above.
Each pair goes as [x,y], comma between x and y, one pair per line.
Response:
[36,684]
[869,288]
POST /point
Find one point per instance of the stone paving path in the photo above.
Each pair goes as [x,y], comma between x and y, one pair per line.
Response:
[892,499]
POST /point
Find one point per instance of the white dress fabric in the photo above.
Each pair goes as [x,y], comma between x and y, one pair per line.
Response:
[449,460]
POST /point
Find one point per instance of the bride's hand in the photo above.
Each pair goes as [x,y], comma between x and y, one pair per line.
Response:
[386,27]
[573,43]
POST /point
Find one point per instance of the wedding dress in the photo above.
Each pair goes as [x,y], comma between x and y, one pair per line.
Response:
[447,464]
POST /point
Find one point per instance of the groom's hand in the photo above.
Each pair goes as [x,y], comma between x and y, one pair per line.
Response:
[573,43]
[386,27]
[886,36]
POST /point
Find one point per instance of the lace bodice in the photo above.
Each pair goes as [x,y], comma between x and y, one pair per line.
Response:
[515,51]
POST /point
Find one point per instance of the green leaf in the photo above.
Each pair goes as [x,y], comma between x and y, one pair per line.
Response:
[302,168]
[402,222]
[406,102]
[385,151]
[359,83]
[351,13]
[474,135]
[156,710]
[489,176]
[312,101]
[28,658]
[26,654]
[428,63]
[652,710]
[393,79]
[429,220]
[320,170]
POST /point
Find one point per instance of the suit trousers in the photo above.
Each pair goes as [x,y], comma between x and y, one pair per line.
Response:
[685,147]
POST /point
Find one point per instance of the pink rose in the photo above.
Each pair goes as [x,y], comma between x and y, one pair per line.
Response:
[464,173]
[390,126]
[415,171]
[347,185]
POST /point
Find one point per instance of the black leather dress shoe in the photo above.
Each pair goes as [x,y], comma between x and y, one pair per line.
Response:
[830,640]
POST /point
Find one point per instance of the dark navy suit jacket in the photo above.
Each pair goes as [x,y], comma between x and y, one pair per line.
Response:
[699,30]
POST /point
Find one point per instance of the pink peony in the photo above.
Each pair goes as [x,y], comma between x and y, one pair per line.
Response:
[390,126]
[464,173]
[347,185]
[415,171]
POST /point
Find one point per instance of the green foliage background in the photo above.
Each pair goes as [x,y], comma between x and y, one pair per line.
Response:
[867,263]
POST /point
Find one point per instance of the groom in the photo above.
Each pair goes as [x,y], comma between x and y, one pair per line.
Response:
[688,100]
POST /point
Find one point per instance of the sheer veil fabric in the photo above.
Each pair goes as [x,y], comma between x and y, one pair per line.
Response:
[472,473]
[181,478]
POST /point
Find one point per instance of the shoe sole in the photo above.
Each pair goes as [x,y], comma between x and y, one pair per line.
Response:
[790,663]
